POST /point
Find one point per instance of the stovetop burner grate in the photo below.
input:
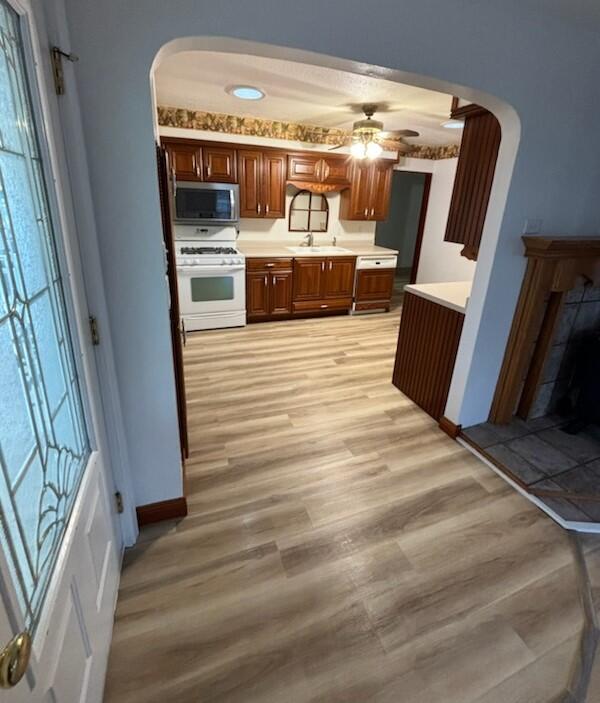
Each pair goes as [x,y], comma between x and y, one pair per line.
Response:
[208,250]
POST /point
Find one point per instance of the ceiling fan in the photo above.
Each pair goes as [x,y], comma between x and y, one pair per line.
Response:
[369,140]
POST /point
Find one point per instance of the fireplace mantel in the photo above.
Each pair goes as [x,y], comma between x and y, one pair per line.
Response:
[555,265]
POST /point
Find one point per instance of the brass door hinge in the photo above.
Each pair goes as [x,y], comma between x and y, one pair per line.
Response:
[95,334]
[119,502]
[56,56]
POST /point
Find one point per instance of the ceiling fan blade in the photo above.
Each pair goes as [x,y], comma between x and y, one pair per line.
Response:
[397,133]
[394,145]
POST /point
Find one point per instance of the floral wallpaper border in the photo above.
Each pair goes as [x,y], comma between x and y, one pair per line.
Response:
[274,129]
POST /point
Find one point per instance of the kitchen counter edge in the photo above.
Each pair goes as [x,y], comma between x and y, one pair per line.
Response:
[454,295]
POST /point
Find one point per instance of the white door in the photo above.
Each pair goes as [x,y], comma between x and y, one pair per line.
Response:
[59,541]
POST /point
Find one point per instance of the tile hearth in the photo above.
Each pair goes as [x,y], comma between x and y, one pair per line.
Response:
[544,459]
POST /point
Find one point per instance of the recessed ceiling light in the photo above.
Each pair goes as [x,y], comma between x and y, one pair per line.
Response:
[453,124]
[246,92]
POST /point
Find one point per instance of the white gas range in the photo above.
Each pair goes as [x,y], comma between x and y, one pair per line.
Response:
[211,277]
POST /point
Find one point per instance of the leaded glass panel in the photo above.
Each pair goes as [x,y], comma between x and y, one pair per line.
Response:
[44,445]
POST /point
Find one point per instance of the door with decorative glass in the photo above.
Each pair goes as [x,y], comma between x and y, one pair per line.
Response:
[59,543]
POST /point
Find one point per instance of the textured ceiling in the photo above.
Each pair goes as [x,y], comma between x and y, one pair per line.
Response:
[299,93]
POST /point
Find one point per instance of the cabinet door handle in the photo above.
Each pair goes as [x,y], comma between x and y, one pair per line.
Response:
[266,209]
[208,171]
[366,212]
[324,306]
[258,208]
[372,211]
[266,280]
[269,265]
[330,265]
[322,266]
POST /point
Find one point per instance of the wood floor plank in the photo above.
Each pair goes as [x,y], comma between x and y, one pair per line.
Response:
[339,547]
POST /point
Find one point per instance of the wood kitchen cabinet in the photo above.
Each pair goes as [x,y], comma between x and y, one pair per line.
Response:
[262,183]
[316,168]
[194,161]
[474,177]
[323,284]
[268,289]
[374,289]
[369,195]
[185,160]
[219,164]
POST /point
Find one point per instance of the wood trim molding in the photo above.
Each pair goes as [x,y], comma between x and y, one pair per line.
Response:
[540,353]
[421,228]
[450,428]
[469,110]
[163,510]
[562,247]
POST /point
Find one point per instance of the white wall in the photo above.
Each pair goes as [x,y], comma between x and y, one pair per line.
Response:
[525,60]
[440,260]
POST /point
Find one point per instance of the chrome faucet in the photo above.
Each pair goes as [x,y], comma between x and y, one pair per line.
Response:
[310,237]
[334,241]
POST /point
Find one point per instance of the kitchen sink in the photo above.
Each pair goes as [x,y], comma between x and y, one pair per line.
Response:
[319,250]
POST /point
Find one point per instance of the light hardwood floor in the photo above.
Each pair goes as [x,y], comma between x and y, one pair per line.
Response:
[339,547]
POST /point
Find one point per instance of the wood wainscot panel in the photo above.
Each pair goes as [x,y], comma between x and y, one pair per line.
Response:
[427,345]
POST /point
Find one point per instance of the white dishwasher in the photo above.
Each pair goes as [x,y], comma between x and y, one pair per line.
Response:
[374,282]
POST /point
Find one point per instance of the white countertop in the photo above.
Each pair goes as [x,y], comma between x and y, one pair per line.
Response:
[278,249]
[454,295]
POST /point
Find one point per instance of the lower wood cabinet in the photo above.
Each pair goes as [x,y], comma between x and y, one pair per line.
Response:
[374,288]
[323,284]
[268,289]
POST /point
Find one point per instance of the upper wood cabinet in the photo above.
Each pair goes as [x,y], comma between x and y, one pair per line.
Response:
[219,164]
[193,161]
[336,170]
[380,190]
[185,160]
[250,178]
[474,177]
[369,194]
[316,168]
[262,183]
[273,184]
[262,174]
[303,167]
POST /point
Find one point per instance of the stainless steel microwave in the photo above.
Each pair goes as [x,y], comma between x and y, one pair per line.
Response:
[206,203]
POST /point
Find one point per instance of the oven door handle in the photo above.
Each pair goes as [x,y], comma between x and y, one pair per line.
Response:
[210,269]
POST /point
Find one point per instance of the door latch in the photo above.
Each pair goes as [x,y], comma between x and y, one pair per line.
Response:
[119,502]
[95,334]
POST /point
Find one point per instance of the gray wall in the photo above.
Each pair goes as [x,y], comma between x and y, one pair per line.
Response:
[533,62]
[399,231]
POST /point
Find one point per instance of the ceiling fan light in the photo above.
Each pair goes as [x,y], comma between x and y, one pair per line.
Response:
[374,150]
[358,150]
